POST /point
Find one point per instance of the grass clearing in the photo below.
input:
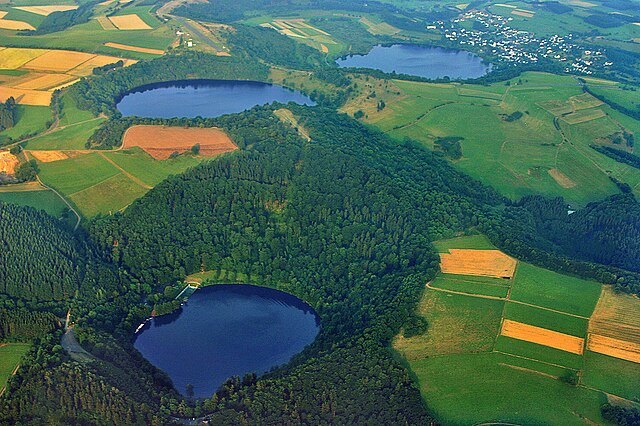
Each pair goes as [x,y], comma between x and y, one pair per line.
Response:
[109,196]
[31,120]
[612,375]
[10,356]
[41,199]
[499,152]
[475,242]
[470,287]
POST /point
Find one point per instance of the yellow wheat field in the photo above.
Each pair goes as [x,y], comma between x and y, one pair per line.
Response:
[542,336]
[129,22]
[46,10]
[486,263]
[25,96]
[616,348]
[134,48]
[45,81]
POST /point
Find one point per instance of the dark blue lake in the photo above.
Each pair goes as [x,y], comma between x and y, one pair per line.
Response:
[421,61]
[224,331]
[205,98]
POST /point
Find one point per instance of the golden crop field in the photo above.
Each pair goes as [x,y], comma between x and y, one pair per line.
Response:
[129,22]
[46,71]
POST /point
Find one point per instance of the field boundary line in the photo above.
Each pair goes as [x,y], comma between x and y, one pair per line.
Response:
[59,195]
[536,360]
[94,185]
[126,173]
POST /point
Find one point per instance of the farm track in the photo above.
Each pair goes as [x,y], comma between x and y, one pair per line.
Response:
[61,197]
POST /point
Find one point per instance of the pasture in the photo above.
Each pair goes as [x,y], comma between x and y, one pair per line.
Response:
[501,152]
[10,356]
[161,141]
[499,347]
[33,195]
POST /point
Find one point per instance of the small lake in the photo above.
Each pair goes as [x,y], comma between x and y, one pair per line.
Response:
[422,61]
[224,331]
[205,98]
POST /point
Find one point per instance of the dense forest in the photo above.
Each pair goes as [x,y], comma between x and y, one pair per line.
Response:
[273,47]
[599,242]
[43,261]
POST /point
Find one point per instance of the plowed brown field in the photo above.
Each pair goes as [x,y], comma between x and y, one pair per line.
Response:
[161,141]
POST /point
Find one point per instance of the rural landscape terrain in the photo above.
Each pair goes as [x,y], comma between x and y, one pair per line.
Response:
[458,218]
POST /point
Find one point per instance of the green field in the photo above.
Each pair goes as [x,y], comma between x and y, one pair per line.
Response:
[546,288]
[470,374]
[42,200]
[10,355]
[470,287]
[501,153]
[95,185]
[71,137]
[31,120]
[467,389]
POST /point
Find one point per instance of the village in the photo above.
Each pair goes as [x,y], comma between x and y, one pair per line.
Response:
[492,35]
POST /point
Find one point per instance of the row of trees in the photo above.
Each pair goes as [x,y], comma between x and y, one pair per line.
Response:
[8,114]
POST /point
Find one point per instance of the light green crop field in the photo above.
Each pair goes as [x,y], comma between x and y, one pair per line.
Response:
[468,373]
[470,287]
[72,137]
[31,120]
[549,289]
[10,356]
[468,389]
[95,185]
[557,161]
[109,196]
[42,200]
[478,242]
[612,375]
[20,15]
[150,171]
[550,320]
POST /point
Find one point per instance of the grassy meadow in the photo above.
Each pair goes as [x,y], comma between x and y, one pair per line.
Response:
[546,150]
[469,372]
[10,356]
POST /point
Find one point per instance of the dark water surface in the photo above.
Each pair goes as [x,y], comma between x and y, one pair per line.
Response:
[421,61]
[224,331]
[205,98]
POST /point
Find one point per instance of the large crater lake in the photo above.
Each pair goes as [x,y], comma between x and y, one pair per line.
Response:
[224,331]
[422,61]
[204,98]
